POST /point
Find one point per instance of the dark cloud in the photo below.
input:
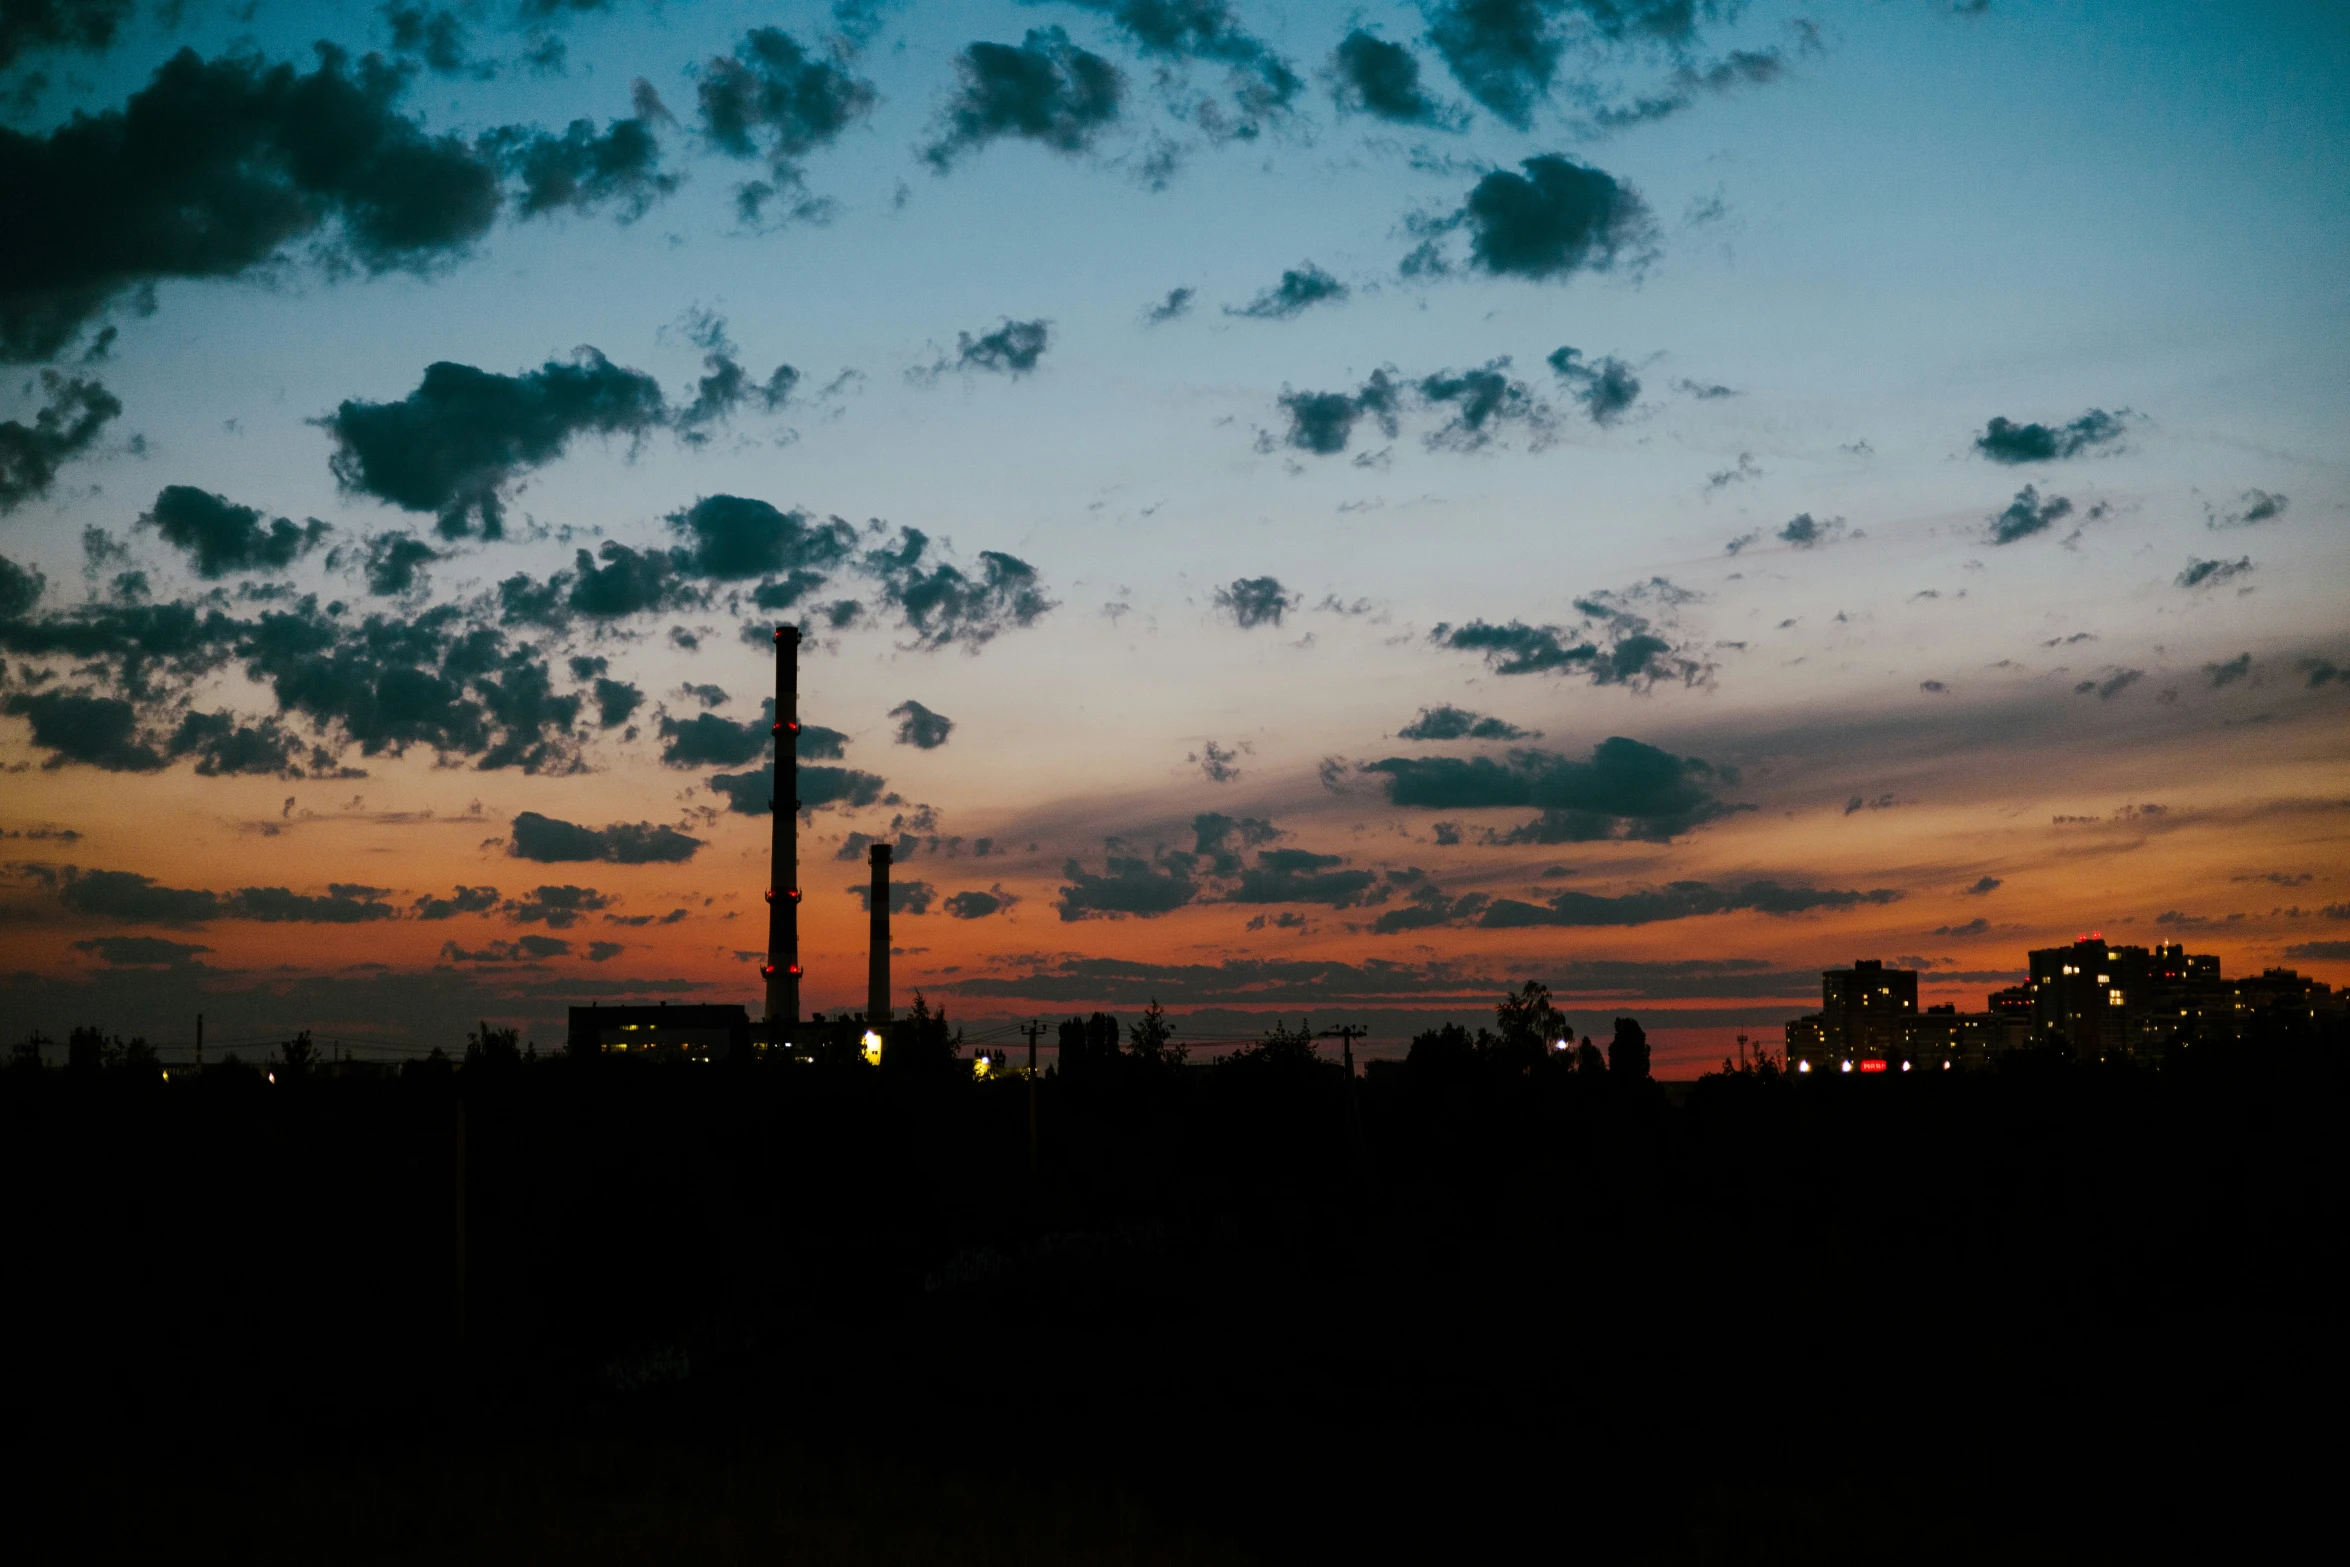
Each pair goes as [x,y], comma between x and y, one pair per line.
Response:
[1300,289]
[342,905]
[223,747]
[81,726]
[1011,349]
[1220,842]
[432,678]
[2112,685]
[1323,422]
[1973,927]
[527,949]
[706,740]
[1606,387]
[437,38]
[1300,876]
[20,589]
[1627,790]
[725,385]
[1739,68]
[464,900]
[732,538]
[212,170]
[905,897]
[1382,79]
[580,170]
[1556,218]
[1045,90]
[1255,601]
[1177,303]
[464,435]
[1614,643]
[2320,951]
[1184,30]
[73,412]
[134,899]
[1480,402]
[2228,673]
[87,25]
[751,794]
[1983,886]
[1675,901]
[979,905]
[773,99]
[1805,531]
[2252,508]
[942,604]
[1128,884]
[221,537]
[921,728]
[552,842]
[707,695]
[1502,51]
[629,582]
[558,908]
[1447,722]
[2027,514]
[2211,573]
[140,951]
[2323,671]
[2007,442]
[394,561]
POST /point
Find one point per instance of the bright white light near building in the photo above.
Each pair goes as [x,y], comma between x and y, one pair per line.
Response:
[1846,1067]
[872,1043]
[1905,1066]
[1558,1044]
[1803,1066]
[980,1065]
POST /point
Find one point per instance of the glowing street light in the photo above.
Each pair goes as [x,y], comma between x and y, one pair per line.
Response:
[872,1044]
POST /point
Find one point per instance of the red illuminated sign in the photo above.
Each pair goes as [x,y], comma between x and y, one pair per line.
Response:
[1872,1066]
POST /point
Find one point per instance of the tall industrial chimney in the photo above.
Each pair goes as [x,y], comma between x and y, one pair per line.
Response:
[877,965]
[783,872]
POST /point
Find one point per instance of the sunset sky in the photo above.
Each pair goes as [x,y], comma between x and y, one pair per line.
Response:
[1303,509]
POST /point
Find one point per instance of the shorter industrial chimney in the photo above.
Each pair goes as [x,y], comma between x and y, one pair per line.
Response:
[877,965]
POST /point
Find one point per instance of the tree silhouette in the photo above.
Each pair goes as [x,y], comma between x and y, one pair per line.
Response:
[1627,1053]
[1529,1023]
[493,1047]
[297,1055]
[1152,1037]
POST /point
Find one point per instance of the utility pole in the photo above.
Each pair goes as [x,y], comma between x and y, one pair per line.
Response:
[199,1041]
[1346,1034]
[1033,1030]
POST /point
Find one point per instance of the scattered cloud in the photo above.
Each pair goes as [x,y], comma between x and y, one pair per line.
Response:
[456,443]
[921,728]
[1300,289]
[2027,514]
[130,199]
[1606,387]
[1255,601]
[2004,441]
[551,841]
[1446,722]
[1372,76]
[1177,304]
[1615,643]
[221,537]
[2212,573]
[1045,89]
[1552,219]
[975,905]
[2251,508]
[1626,790]
[74,411]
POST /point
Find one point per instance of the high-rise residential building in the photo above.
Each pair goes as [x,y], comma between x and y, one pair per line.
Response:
[1863,1009]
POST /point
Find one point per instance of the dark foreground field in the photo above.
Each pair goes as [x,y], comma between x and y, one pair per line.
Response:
[694,1313]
